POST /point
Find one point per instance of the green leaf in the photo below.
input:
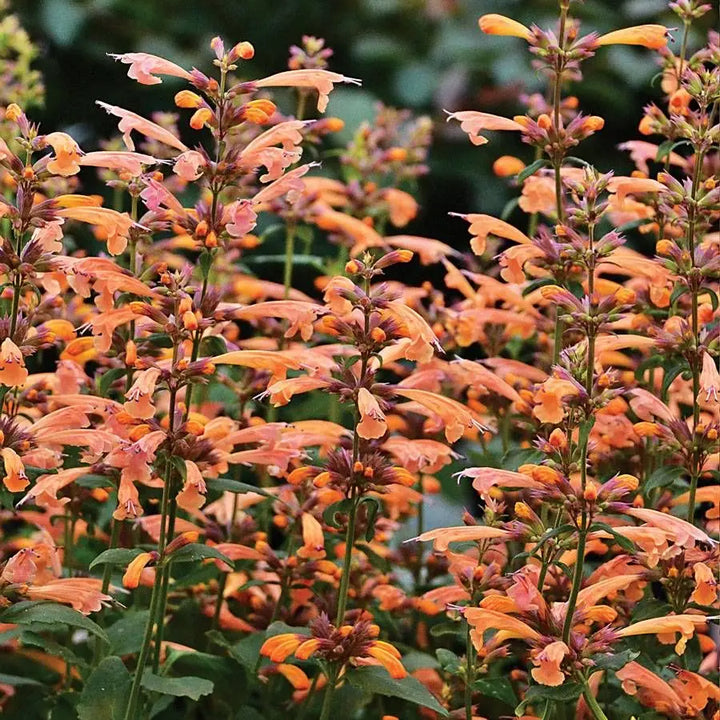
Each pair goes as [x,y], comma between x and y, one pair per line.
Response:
[17,680]
[531,169]
[279,627]
[498,688]
[341,507]
[48,613]
[615,661]
[247,651]
[205,262]
[448,660]
[108,378]
[376,681]
[126,635]
[663,477]
[115,556]
[197,551]
[190,686]
[212,345]
[312,261]
[106,691]
[446,628]
[625,543]
[671,373]
[565,693]
[235,486]
[415,660]
[373,507]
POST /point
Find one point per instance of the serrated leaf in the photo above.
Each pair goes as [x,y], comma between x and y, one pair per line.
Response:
[115,556]
[376,681]
[567,692]
[48,613]
[106,691]
[189,686]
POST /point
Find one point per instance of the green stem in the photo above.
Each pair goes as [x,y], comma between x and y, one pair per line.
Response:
[289,258]
[131,710]
[470,676]
[114,538]
[329,691]
[345,579]
[592,703]
[218,604]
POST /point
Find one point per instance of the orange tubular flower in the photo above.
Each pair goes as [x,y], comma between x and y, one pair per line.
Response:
[115,225]
[131,578]
[494,24]
[276,362]
[294,675]
[455,417]
[15,479]
[483,225]
[313,539]
[663,626]
[442,537]
[649,36]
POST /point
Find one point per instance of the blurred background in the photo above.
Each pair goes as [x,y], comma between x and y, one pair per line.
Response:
[425,55]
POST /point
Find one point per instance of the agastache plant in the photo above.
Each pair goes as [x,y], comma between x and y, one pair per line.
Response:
[232,455]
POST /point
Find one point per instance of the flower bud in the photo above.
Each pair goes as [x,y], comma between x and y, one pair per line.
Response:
[200,117]
[188,99]
[396,256]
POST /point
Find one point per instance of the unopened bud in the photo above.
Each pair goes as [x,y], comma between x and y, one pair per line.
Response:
[188,99]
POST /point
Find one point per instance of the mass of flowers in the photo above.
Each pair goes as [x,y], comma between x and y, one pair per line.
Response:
[210,475]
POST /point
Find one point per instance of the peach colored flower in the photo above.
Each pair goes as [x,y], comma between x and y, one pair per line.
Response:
[474,123]
[372,420]
[710,378]
[116,225]
[15,479]
[682,532]
[684,625]
[130,121]
[548,661]
[455,417]
[300,315]
[320,80]
[140,396]
[67,154]
[127,162]
[276,362]
[192,495]
[143,65]
[442,537]
[12,364]
[706,586]
[483,225]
